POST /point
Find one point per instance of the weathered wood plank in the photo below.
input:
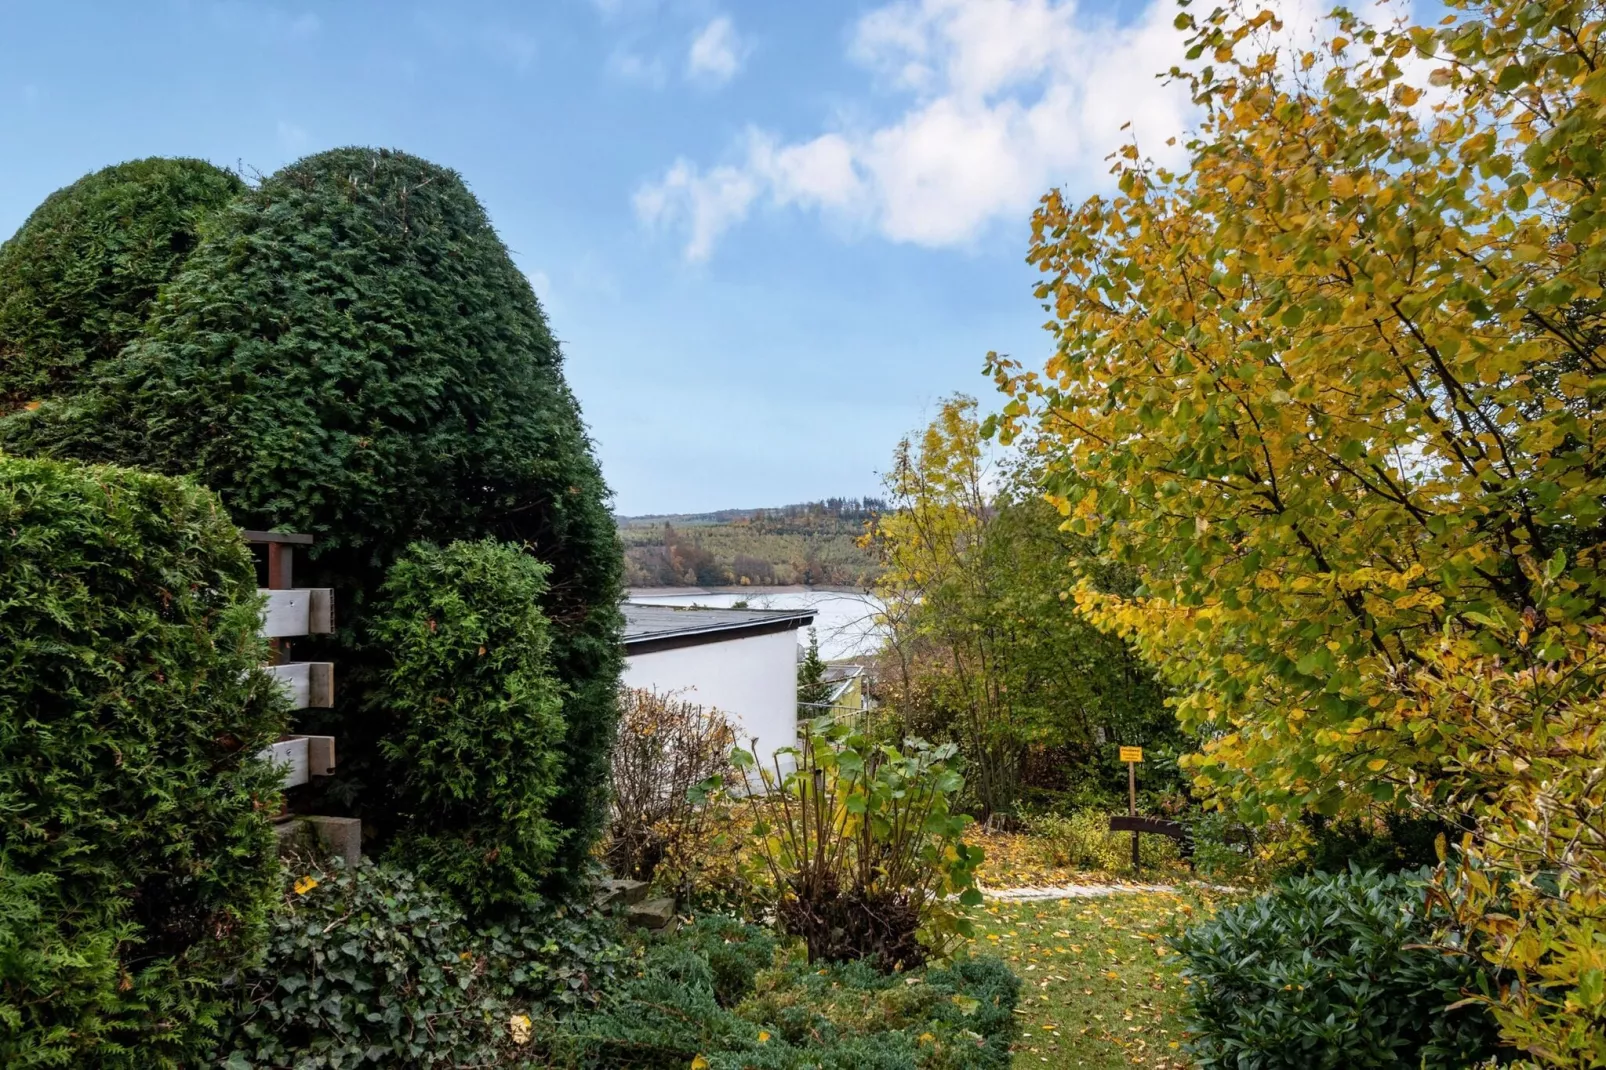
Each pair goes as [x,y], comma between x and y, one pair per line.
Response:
[291,755]
[321,611]
[301,611]
[321,755]
[310,684]
[302,757]
[288,537]
[1157,825]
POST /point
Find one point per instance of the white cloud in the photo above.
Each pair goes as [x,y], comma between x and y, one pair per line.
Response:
[633,67]
[997,101]
[1001,99]
[711,202]
[716,52]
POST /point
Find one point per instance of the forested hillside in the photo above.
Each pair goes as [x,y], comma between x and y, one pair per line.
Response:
[813,543]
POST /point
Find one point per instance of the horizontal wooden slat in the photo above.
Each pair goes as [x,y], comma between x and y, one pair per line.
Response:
[291,754]
[1157,825]
[293,538]
[310,684]
[300,611]
[302,757]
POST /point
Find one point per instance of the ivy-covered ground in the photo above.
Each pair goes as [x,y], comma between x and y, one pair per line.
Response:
[1099,989]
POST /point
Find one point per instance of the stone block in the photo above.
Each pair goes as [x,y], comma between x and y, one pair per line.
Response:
[652,914]
[340,836]
[618,890]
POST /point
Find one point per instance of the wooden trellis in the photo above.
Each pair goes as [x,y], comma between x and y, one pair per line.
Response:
[292,612]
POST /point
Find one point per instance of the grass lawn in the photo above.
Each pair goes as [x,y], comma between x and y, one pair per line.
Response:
[1098,987]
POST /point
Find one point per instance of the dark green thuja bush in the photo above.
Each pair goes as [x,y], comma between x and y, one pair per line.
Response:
[80,276]
[351,352]
[1329,971]
[137,864]
[471,721]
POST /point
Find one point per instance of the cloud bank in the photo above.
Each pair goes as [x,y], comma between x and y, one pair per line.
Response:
[1000,99]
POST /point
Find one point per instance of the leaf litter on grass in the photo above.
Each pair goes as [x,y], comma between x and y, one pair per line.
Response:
[1099,987]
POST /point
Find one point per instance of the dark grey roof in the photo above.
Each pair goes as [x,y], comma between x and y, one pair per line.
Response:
[648,624]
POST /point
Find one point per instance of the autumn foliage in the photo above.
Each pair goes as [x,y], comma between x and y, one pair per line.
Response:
[1334,390]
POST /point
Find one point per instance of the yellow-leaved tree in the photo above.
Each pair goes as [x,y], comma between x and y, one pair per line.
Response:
[1334,390]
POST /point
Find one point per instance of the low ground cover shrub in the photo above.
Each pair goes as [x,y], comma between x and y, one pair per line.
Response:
[366,964]
[709,997]
[863,845]
[137,865]
[370,966]
[1333,970]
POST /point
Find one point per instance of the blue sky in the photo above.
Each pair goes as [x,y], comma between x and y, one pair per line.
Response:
[770,235]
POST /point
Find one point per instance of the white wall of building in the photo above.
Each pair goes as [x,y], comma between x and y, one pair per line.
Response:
[752,680]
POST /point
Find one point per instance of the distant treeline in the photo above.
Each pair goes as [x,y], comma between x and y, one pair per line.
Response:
[813,543]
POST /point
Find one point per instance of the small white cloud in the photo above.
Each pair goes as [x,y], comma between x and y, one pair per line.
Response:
[710,203]
[630,66]
[716,52]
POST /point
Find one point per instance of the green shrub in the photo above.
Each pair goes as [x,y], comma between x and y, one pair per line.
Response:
[845,1016]
[863,845]
[1389,841]
[351,352]
[965,1012]
[1083,840]
[369,966]
[554,958]
[137,864]
[735,953]
[78,279]
[366,965]
[1331,971]
[470,722]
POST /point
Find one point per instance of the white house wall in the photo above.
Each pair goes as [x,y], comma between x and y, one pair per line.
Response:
[753,681]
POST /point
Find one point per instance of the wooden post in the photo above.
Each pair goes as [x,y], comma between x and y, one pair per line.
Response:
[281,557]
[1132,756]
[1132,806]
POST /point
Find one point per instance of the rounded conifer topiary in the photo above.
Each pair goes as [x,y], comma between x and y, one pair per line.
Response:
[79,278]
[137,863]
[352,352]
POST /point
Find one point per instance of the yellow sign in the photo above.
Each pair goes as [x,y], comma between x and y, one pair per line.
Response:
[1131,754]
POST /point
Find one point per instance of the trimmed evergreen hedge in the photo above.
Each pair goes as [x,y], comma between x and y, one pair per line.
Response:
[79,277]
[351,352]
[472,721]
[137,864]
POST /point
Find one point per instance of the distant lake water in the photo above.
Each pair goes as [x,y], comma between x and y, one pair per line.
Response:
[845,618]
